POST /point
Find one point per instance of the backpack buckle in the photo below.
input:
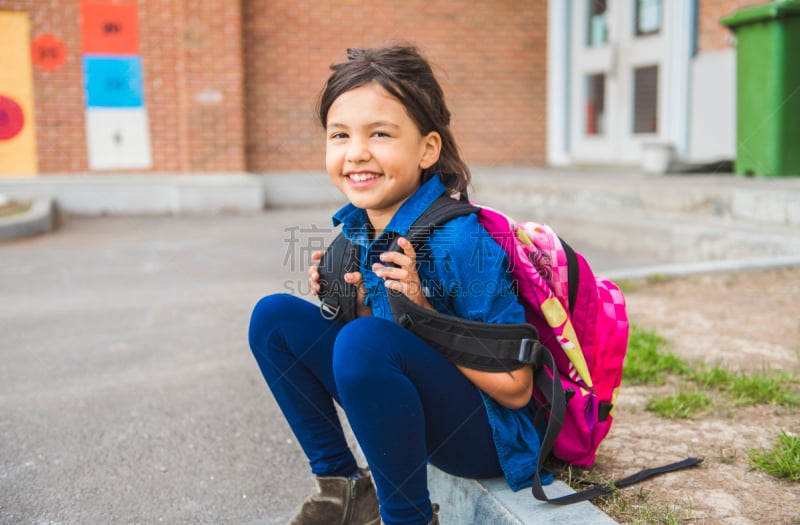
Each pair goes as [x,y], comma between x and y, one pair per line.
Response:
[329,312]
[527,350]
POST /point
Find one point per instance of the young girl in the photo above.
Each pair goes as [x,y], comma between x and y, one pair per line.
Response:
[390,150]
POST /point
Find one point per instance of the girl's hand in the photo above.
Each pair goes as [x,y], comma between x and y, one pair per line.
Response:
[402,277]
[357,280]
[313,273]
[354,278]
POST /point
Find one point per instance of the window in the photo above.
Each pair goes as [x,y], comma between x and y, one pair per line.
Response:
[597,30]
[595,104]
[645,99]
[648,17]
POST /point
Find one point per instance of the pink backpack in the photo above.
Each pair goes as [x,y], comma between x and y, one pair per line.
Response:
[580,317]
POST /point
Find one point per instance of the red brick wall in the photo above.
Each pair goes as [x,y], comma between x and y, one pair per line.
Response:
[490,58]
[192,60]
[205,112]
[713,36]
[212,110]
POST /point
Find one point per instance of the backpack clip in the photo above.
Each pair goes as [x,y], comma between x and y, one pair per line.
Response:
[528,350]
[328,311]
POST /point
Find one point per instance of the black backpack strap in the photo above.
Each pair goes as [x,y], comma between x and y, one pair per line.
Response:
[551,388]
[473,344]
[438,213]
[573,274]
[482,346]
[338,298]
[599,489]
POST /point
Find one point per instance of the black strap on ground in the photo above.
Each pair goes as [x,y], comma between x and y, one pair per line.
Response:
[599,489]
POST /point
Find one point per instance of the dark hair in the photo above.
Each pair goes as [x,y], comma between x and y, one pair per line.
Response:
[408,77]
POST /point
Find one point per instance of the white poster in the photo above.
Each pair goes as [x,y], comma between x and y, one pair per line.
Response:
[118,138]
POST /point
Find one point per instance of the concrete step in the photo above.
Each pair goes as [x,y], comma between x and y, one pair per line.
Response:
[770,201]
[491,502]
[668,236]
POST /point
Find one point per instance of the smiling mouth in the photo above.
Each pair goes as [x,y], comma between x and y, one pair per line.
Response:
[362,177]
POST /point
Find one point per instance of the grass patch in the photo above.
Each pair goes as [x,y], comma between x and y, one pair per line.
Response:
[14,208]
[772,388]
[631,285]
[634,507]
[627,286]
[782,461]
[683,405]
[647,361]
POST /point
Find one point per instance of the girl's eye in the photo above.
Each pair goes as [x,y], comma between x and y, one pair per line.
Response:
[339,135]
[380,134]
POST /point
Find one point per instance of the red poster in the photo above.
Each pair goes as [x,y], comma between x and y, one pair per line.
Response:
[110,28]
[48,52]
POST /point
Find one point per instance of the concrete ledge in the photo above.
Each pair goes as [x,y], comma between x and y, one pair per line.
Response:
[142,194]
[40,218]
[155,194]
[766,200]
[299,189]
[491,501]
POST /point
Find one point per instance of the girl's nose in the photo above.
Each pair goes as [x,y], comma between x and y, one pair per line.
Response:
[357,151]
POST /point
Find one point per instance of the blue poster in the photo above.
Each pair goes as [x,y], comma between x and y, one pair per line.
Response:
[113,82]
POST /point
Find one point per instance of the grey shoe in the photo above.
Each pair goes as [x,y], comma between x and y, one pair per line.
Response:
[341,501]
[435,520]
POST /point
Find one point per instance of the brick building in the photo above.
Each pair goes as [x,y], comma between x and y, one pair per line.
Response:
[231,86]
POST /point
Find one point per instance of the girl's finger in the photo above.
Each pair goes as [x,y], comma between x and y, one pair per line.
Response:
[408,248]
[396,258]
[354,278]
[389,272]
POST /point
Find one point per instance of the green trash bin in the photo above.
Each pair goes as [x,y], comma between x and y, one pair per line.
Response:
[768,88]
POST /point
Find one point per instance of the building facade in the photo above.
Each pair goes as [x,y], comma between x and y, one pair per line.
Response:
[172,86]
[626,78]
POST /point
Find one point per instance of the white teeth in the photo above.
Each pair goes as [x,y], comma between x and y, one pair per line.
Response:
[361,177]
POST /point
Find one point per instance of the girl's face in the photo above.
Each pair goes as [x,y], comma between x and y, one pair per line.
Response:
[375,153]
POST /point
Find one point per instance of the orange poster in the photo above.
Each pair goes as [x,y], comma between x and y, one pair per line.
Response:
[111,29]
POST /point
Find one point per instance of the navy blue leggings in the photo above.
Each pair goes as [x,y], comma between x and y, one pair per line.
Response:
[406,404]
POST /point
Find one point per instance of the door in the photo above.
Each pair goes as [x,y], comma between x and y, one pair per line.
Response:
[620,59]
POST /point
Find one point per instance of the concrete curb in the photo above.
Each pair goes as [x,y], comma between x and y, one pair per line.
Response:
[40,218]
[143,194]
[682,269]
[491,501]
